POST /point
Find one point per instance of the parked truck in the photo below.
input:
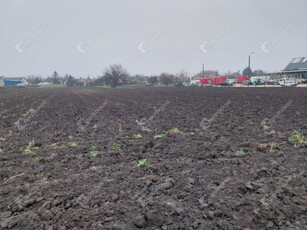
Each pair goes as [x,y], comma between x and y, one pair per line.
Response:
[287,82]
[195,83]
[261,79]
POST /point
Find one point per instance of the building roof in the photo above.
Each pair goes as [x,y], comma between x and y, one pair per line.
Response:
[297,64]
[14,78]
[86,80]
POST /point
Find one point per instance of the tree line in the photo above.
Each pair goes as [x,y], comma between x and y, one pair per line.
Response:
[113,76]
[117,75]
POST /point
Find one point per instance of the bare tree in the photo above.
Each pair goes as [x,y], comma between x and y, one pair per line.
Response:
[115,75]
[34,79]
[166,78]
[55,79]
[153,80]
[182,76]
[259,73]
[71,81]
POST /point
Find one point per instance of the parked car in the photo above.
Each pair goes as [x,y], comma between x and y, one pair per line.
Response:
[287,82]
[225,83]
[247,82]
[256,82]
[231,81]
[179,84]
[273,82]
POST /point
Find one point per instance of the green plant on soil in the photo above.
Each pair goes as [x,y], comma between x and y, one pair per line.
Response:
[175,131]
[296,138]
[95,126]
[2,139]
[117,147]
[159,136]
[241,152]
[72,144]
[31,148]
[94,150]
[37,159]
[246,141]
[137,136]
[110,128]
[141,163]
[1,151]
[28,112]
[57,145]
[273,147]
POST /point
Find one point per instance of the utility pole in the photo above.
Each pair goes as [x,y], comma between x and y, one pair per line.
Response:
[249,59]
[203,70]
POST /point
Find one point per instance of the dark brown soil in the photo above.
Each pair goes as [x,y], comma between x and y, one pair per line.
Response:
[53,177]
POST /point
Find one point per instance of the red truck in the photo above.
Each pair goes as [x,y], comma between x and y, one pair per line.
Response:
[215,81]
[206,81]
[241,79]
[219,80]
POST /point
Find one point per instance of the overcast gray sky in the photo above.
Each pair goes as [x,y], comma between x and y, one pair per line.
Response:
[82,37]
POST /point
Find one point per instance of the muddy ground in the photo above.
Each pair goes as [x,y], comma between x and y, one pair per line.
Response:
[153,158]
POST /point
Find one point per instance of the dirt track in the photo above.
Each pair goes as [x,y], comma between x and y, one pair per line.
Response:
[218,158]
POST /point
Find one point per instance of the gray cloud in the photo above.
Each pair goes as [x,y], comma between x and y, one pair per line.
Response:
[130,22]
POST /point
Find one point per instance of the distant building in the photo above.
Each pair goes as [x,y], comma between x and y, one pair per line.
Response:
[1,81]
[86,81]
[296,69]
[16,81]
[206,74]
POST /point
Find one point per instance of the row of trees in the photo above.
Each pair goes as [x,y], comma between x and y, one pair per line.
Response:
[113,76]
[54,79]
[248,72]
[117,75]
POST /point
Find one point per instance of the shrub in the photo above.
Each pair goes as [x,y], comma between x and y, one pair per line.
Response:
[117,147]
[241,152]
[296,138]
[94,150]
[141,163]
